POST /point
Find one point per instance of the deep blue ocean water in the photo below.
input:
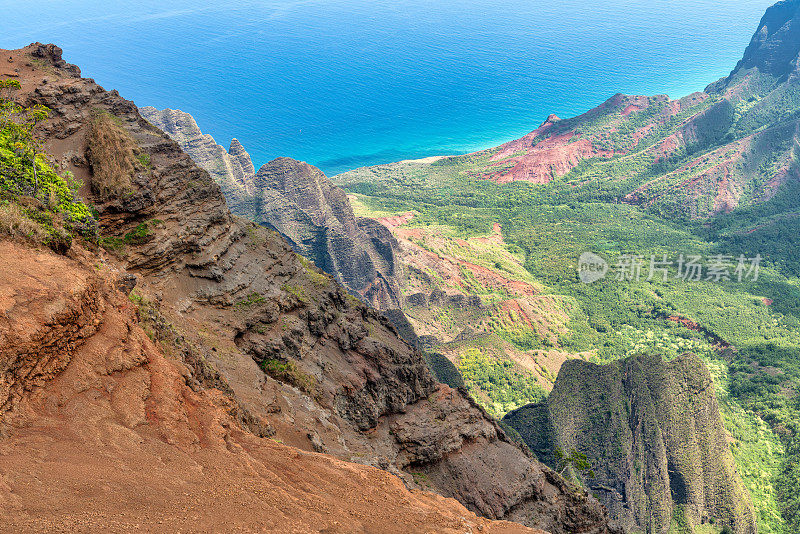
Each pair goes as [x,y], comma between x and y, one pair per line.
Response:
[347,83]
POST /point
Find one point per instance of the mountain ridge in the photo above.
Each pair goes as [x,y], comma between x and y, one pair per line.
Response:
[298,201]
[653,432]
[713,175]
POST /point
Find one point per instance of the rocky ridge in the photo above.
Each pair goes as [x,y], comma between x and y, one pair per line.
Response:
[655,436]
[297,357]
[101,429]
[232,169]
[298,201]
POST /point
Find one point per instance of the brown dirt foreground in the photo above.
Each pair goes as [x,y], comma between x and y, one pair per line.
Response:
[100,432]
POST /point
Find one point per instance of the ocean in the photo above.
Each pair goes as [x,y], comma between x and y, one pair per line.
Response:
[347,83]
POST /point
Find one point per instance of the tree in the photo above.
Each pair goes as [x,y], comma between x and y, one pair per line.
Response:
[20,125]
[35,115]
[21,130]
[579,461]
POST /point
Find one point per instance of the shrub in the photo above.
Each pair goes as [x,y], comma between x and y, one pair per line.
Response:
[138,235]
[113,156]
[295,290]
[15,223]
[318,278]
[289,372]
[47,208]
[111,243]
[144,159]
[252,300]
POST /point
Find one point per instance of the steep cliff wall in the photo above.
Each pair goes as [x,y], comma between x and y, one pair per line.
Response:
[299,202]
[103,430]
[775,46]
[653,431]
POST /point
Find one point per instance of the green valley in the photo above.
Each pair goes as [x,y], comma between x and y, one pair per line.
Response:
[715,173]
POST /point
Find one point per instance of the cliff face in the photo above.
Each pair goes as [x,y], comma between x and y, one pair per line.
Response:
[653,432]
[103,429]
[315,216]
[232,169]
[299,202]
[775,47]
[245,320]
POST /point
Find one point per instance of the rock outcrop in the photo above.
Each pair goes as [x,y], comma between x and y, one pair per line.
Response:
[299,202]
[291,353]
[232,169]
[654,434]
[101,432]
[775,47]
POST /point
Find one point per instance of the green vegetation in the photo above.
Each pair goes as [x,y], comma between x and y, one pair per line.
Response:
[144,160]
[257,235]
[757,450]
[514,329]
[36,202]
[614,319]
[138,236]
[421,479]
[296,290]
[289,372]
[253,299]
[111,243]
[575,460]
[505,387]
[751,330]
[682,525]
[317,277]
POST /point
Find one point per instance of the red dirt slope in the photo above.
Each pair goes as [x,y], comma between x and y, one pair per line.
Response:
[102,432]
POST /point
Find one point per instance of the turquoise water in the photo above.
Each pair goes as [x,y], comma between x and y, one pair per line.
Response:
[346,83]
